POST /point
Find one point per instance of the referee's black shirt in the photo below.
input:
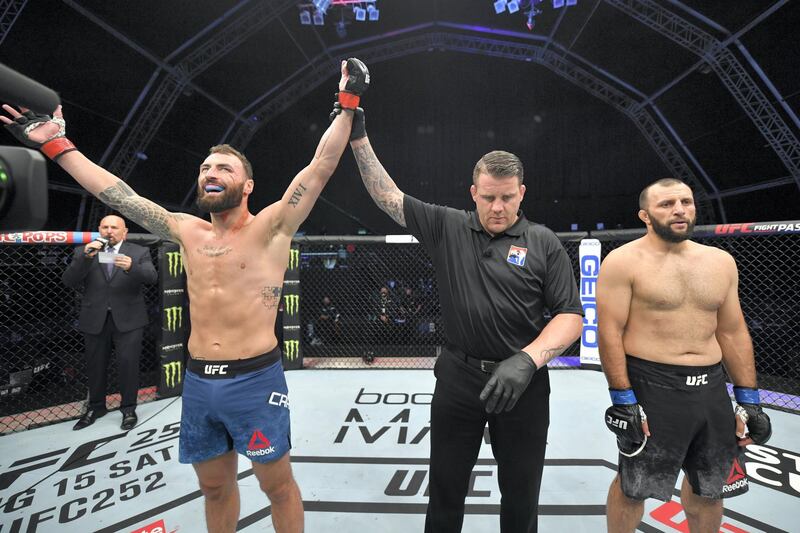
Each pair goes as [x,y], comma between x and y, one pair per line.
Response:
[493,290]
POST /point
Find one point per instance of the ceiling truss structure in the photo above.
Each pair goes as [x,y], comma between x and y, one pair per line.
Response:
[239,24]
[553,57]
[730,71]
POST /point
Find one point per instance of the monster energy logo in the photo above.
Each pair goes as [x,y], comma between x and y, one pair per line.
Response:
[172,373]
[291,349]
[173,317]
[294,257]
[291,303]
[175,263]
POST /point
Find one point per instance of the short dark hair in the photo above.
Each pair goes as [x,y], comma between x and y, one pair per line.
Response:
[230,150]
[663,182]
[499,164]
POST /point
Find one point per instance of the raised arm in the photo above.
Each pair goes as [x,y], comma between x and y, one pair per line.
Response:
[109,189]
[307,185]
[614,292]
[379,185]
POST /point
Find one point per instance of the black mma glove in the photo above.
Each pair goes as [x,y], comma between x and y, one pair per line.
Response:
[625,418]
[54,147]
[357,83]
[509,380]
[748,409]
[359,128]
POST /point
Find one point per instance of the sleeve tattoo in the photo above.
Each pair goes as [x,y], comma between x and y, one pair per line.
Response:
[142,211]
[379,185]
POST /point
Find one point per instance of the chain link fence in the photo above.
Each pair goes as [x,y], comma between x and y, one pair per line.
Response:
[42,365]
[363,303]
[368,303]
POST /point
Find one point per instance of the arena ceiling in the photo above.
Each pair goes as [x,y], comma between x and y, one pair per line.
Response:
[598,99]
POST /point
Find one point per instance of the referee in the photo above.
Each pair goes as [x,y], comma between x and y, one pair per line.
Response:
[497,273]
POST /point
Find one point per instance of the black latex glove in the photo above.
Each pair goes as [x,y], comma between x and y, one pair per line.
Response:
[509,380]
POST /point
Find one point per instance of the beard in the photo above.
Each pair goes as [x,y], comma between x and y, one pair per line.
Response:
[217,203]
[666,232]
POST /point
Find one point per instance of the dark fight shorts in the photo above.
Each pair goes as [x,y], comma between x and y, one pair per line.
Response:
[692,427]
[241,404]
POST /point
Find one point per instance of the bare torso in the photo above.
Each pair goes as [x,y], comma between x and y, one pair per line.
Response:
[234,283]
[674,302]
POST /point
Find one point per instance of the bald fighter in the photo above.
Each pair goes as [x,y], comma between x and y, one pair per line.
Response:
[670,326]
[235,395]
[112,311]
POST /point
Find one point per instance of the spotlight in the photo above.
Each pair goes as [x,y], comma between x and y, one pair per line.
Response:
[361,13]
[319,18]
[513,6]
[558,3]
[374,14]
[499,6]
[305,18]
[572,2]
[341,30]
[322,5]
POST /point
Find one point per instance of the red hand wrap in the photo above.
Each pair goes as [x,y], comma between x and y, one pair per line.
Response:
[57,147]
[349,100]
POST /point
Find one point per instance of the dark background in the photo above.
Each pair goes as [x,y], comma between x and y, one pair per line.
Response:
[432,113]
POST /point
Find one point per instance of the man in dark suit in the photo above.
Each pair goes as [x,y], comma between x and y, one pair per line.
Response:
[112,309]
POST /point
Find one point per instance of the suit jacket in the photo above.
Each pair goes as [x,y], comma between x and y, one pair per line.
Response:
[121,293]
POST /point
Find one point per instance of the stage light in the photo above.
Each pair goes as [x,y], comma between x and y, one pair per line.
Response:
[322,5]
[513,6]
[319,18]
[360,13]
[305,18]
[499,6]
[374,14]
[572,2]
[558,3]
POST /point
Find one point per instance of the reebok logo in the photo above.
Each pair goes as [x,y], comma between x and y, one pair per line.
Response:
[736,472]
[259,445]
[736,479]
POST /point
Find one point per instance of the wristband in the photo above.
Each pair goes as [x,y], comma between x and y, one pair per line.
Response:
[57,147]
[622,396]
[348,100]
[746,395]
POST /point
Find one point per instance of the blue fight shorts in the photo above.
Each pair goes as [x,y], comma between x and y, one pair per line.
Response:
[241,404]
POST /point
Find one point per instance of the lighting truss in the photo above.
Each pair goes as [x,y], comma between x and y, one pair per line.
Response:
[530,8]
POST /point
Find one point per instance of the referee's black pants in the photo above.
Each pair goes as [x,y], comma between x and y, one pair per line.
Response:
[518,440]
[128,347]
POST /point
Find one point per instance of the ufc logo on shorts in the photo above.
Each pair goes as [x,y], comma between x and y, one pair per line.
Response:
[210,370]
[697,380]
[281,400]
[616,422]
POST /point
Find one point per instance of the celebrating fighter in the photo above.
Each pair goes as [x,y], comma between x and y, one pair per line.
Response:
[669,319]
[235,266]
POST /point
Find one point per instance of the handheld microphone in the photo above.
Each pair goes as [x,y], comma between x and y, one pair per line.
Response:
[103,241]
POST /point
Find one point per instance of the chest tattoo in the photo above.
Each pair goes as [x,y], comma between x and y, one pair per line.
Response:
[214,251]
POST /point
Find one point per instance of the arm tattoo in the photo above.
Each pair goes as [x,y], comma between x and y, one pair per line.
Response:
[549,353]
[271,297]
[296,195]
[379,185]
[142,211]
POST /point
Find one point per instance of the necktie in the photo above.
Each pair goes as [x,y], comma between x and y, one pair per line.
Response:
[109,266]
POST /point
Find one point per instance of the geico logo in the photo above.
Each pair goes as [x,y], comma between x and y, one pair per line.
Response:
[215,369]
[733,486]
[264,451]
[590,266]
[393,398]
[281,400]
